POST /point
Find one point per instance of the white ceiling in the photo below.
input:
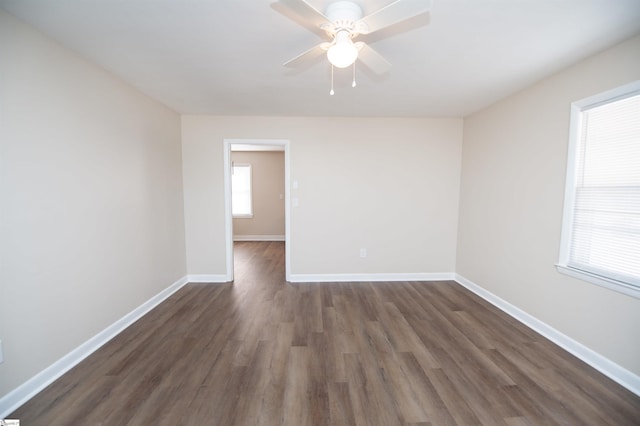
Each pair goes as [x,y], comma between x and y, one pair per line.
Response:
[225,57]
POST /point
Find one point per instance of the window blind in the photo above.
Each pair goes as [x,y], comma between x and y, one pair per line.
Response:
[605,235]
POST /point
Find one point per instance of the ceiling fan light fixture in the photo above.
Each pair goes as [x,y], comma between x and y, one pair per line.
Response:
[343,22]
[343,52]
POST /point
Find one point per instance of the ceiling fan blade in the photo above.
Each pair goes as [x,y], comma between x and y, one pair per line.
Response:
[397,11]
[372,59]
[306,11]
[314,52]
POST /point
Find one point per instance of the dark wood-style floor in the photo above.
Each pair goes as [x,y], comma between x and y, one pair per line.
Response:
[262,351]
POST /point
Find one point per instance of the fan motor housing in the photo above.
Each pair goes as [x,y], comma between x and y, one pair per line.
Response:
[343,11]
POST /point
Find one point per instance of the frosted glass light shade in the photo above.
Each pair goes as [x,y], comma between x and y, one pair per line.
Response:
[343,53]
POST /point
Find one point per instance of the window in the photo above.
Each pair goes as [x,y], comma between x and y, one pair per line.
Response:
[241,205]
[601,223]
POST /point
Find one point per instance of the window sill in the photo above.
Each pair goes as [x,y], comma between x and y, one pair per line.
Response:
[611,284]
[242,216]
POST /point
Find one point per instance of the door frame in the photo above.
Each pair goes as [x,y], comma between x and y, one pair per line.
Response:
[228,217]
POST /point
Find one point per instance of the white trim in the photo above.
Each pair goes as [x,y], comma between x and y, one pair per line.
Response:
[611,284]
[207,278]
[228,219]
[17,397]
[617,93]
[228,215]
[331,278]
[258,238]
[569,189]
[604,365]
[258,148]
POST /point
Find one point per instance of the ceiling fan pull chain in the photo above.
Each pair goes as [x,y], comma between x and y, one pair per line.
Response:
[331,92]
[354,75]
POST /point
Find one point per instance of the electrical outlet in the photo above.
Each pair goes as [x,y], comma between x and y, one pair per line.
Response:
[363,253]
[1,353]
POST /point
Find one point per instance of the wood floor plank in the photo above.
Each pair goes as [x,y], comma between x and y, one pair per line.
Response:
[257,377]
[370,404]
[425,391]
[261,351]
[297,399]
[340,409]
[452,398]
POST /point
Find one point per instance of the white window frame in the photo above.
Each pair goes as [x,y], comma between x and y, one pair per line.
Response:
[577,109]
[250,214]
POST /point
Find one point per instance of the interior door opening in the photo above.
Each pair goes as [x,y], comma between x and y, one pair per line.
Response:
[268,199]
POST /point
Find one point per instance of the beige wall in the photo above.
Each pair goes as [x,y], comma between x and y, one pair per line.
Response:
[387,185]
[267,168]
[513,174]
[91,201]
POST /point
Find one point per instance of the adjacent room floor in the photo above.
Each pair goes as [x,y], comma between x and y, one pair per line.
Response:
[263,351]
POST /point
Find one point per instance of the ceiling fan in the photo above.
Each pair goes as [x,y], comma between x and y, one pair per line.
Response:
[343,21]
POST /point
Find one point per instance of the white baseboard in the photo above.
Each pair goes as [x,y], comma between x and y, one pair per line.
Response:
[320,278]
[17,397]
[207,278]
[258,238]
[604,365]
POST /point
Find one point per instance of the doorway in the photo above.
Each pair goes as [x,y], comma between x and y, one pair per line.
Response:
[257,144]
